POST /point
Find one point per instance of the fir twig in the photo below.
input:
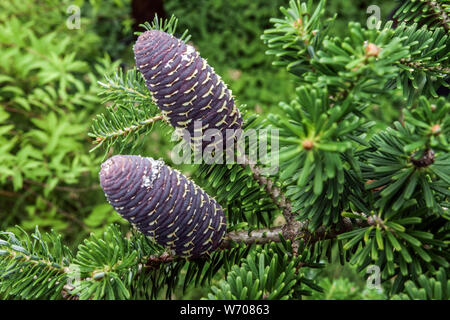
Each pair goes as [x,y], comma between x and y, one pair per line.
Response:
[440,13]
[292,226]
[128,130]
[265,235]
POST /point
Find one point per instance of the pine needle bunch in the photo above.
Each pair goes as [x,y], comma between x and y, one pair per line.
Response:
[375,193]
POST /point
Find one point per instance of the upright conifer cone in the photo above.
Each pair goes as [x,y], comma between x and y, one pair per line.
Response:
[183,85]
[163,204]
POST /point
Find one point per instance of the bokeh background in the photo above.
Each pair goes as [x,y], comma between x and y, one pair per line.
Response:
[49,89]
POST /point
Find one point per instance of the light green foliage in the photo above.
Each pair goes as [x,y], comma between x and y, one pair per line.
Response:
[344,289]
[48,94]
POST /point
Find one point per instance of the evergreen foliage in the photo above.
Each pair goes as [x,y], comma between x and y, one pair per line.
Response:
[378,195]
[48,95]
[436,288]
[267,273]
[433,14]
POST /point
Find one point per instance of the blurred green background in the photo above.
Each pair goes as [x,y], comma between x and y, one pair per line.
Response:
[49,95]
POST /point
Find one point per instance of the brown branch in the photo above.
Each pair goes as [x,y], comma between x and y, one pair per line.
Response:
[263,236]
[259,236]
[20,111]
[273,191]
[421,66]
[426,160]
[295,230]
[291,229]
[128,130]
[440,13]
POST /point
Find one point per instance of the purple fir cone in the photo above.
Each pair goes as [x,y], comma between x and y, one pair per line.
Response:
[163,204]
[184,86]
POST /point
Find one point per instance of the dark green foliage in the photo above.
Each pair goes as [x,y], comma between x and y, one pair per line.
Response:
[427,288]
[426,67]
[408,178]
[48,95]
[407,57]
[433,14]
[407,211]
[111,266]
[412,156]
[315,153]
[33,266]
[358,11]
[267,273]
[245,200]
